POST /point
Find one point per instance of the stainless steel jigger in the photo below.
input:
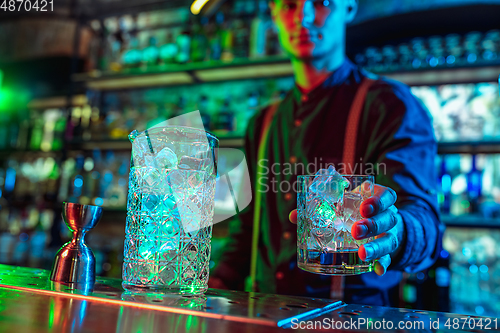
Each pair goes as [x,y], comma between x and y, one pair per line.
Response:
[75,262]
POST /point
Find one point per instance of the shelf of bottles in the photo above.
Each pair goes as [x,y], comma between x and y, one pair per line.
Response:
[435,52]
[175,47]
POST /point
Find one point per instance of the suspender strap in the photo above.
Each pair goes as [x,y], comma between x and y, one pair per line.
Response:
[351,133]
[268,118]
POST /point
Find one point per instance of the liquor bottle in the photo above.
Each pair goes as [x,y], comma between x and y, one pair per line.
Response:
[227,40]
[258,31]
[390,56]
[184,46]
[471,46]
[419,53]
[24,131]
[241,38]
[151,53]
[442,277]
[36,131]
[203,108]
[154,115]
[131,57]
[374,59]
[474,184]
[272,42]
[199,43]
[225,120]
[169,50]
[13,133]
[107,177]
[95,178]
[213,29]
[405,56]
[97,125]
[88,183]
[491,45]
[86,116]
[444,182]
[4,130]
[116,191]
[49,120]
[436,51]
[454,50]
[95,53]
[77,180]
[74,128]
[113,44]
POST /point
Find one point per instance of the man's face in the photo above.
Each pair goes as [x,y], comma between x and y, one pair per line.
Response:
[310,29]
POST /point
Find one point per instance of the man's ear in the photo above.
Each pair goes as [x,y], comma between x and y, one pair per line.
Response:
[352,9]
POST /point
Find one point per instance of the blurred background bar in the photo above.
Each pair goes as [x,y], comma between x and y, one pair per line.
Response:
[76,79]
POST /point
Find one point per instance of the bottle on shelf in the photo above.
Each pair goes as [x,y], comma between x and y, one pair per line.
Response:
[49,119]
[131,57]
[24,130]
[390,56]
[241,38]
[214,37]
[491,45]
[454,50]
[150,54]
[225,120]
[444,183]
[436,52]
[474,186]
[169,49]
[14,132]
[258,31]
[203,108]
[471,45]
[184,46]
[227,39]
[114,42]
[199,43]
[4,130]
[36,131]
[59,129]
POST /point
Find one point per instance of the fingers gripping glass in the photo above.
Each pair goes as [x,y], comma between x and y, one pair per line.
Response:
[327,207]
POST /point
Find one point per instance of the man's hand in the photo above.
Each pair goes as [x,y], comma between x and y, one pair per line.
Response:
[382,220]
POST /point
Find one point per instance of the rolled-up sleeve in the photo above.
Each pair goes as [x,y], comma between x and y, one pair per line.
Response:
[404,155]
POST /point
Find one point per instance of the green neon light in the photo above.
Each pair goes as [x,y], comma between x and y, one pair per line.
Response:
[51,313]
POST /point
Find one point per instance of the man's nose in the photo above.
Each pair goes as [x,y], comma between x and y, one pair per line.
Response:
[306,13]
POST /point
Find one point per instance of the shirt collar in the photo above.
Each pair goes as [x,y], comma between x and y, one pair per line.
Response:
[336,78]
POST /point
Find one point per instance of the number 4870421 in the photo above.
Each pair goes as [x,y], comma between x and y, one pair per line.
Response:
[27,5]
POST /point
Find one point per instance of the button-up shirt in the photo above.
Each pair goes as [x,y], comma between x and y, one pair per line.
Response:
[395,142]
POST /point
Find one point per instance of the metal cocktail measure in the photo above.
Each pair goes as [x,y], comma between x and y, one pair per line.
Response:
[75,262]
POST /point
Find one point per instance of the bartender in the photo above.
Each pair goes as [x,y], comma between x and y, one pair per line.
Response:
[392,137]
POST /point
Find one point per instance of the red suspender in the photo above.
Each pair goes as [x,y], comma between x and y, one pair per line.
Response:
[348,154]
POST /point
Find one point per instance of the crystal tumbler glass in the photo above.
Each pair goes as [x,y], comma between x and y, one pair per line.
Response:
[327,207]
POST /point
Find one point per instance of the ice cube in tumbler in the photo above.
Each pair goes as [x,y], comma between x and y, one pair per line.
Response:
[329,185]
[166,159]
